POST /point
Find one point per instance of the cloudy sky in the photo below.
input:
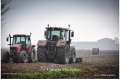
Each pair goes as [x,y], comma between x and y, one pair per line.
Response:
[90,19]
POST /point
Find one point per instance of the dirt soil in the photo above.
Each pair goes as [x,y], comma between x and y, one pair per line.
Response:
[105,65]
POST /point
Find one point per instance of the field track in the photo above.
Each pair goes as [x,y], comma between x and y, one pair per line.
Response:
[105,65]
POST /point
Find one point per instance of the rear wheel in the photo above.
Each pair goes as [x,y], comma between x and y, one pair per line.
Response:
[62,55]
[41,54]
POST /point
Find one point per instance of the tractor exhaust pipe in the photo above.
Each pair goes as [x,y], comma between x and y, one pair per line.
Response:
[10,40]
[69,26]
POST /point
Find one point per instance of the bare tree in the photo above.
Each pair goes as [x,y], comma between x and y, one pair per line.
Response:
[4,6]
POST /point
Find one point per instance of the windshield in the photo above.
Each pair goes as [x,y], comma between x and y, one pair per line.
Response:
[55,35]
[19,40]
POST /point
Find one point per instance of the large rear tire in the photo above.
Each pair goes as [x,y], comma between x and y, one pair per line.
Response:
[62,55]
[41,54]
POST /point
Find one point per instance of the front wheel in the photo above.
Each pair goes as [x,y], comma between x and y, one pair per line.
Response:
[73,55]
[23,57]
[31,56]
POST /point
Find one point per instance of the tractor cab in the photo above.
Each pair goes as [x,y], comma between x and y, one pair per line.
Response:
[20,39]
[57,33]
[24,40]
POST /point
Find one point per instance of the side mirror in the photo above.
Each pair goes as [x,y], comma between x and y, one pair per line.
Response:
[46,34]
[7,39]
[33,46]
[72,34]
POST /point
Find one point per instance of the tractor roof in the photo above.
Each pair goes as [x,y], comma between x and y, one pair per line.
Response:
[24,35]
[56,28]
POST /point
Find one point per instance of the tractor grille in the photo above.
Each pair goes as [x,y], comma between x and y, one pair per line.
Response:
[51,48]
[13,52]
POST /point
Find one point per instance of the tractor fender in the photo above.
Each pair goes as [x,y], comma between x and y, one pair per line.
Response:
[60,43]
[41,43]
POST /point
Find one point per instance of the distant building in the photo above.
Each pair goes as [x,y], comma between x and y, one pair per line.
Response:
[102,44]
[116,40]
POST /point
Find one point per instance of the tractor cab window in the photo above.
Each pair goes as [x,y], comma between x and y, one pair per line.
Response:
[23,40]
[67,35]
[63,33]
[55,35]
[19,40]
[16,40]
[27,40]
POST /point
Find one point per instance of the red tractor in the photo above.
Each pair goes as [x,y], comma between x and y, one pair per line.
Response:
[21,49]
[56,47]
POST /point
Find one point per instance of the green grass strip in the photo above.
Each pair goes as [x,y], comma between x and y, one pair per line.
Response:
[52,73]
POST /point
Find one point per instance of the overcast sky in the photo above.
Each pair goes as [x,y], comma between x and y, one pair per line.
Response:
[90,19]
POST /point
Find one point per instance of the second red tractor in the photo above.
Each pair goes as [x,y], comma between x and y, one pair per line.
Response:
[21,49]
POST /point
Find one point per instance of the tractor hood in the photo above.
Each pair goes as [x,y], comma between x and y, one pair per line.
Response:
[41,43]
[17,46]
[61,43]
